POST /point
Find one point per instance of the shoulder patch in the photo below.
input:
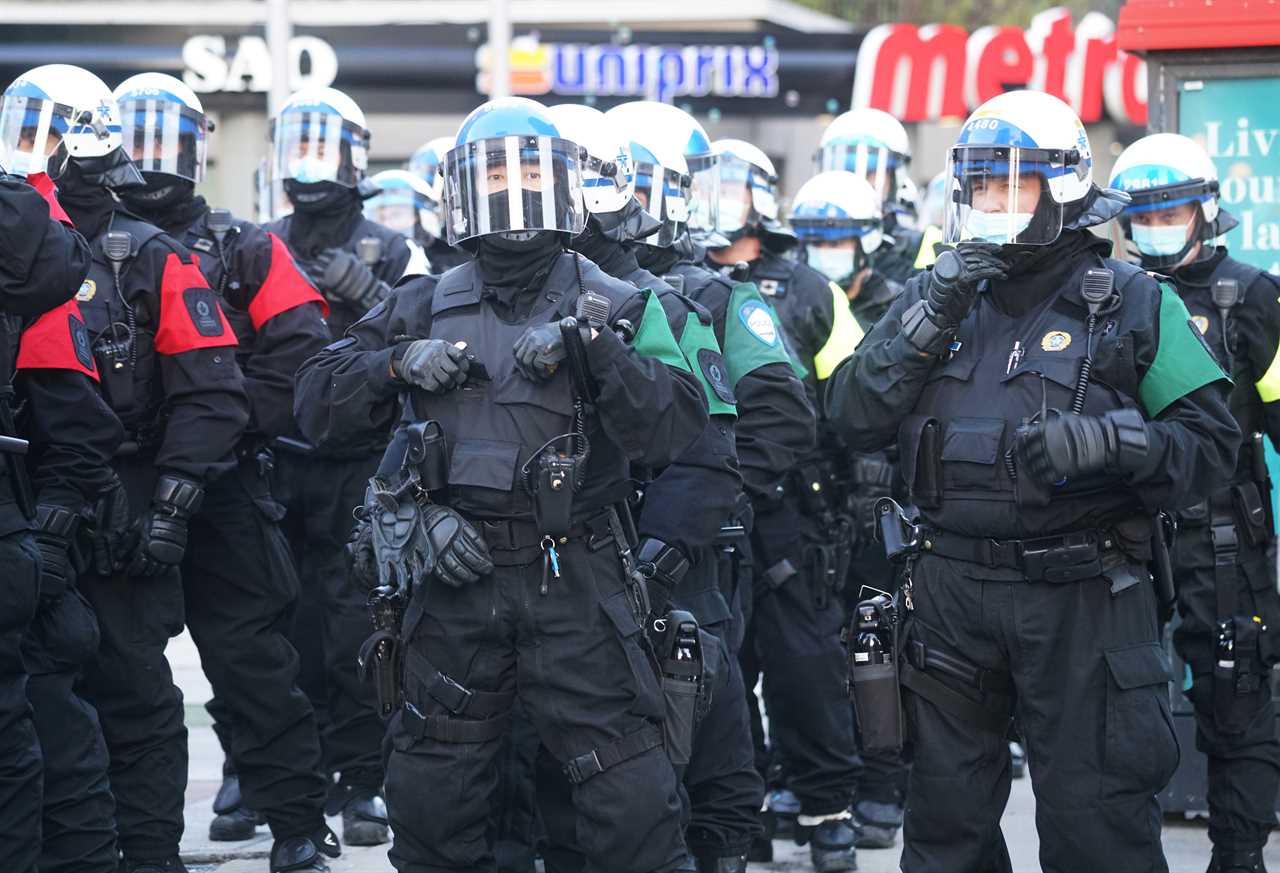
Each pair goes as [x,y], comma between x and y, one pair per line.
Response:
[58,340]
[712,365]
[190,317]
[758,322]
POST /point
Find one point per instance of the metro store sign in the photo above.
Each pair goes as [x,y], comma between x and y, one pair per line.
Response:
[936,71]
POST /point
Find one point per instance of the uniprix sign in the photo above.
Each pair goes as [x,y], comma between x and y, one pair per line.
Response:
[654,72]
[931,72]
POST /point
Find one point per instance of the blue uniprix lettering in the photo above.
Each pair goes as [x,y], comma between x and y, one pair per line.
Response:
[663,72]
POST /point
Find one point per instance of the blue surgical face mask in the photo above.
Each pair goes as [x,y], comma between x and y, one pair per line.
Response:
[307,170]
[997,227]
[838,265]
[1161,240]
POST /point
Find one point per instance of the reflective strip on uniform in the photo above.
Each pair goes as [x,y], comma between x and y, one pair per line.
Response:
[925,256]
[654,338]
[1183,361]
[845,335]
[1269,385]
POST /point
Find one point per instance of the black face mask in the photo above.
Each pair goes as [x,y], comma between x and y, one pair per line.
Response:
[499,212]
[631,223]
[316,198]
[518,260]
[160,196]
[597,246]
[86,201]
[113,170]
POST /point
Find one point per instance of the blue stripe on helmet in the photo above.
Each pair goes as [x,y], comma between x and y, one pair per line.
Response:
[1135,208]
[26,88]
[994,131]
[1144,177]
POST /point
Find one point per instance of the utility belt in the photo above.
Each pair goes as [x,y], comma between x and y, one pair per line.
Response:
[1068,557]
[1244,505]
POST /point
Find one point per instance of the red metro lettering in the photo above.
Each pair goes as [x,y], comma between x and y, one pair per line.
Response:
[936,71]
[190,317]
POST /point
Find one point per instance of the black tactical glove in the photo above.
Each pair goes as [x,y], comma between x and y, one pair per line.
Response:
[340,275]
[953,286]
[159,537]
[539,350]
[433,365]
[361,560]
[55,528]
[1067,446]
[461,555]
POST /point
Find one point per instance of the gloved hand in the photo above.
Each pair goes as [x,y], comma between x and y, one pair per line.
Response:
[953,283]
[158,539]
[339,274]
[55,527]
[1067,446]
[539,350]
[360,555]
[433,365]
[461,555]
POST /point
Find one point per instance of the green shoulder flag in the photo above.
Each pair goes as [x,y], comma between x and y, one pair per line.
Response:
[752,335]
[1183,361]
[698,342]
[653,336]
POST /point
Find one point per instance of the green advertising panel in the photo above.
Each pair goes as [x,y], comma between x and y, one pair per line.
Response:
[1238,122]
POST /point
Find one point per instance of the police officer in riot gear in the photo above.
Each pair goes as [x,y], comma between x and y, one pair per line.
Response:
[873,144]
[1046,401]
[1223,558]
[522,512]
[803,539]
[238,574]
[320,151]
[427,163]
[56,811]
[694,520]
[408,204]
[156,335]
[837,217]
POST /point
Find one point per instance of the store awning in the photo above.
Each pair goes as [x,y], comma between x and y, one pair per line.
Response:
[1174,25]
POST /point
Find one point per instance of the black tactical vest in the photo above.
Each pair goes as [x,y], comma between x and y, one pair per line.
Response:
[204,245]
[955,447]
[1244,402]
[124,344]
[493,426]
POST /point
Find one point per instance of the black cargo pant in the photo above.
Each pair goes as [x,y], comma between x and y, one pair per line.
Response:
[884,775]
[79,826]
[131,686]
[794,640]
[723,790]
[240,583]
[1244,756]
[319,494]
[19,749]
[1090,679]
[577,661]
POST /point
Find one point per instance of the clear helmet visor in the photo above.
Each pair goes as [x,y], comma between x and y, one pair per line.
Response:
[513,183]
[1001,195]
[746,195]
[164,137]
[874,163]
[311,145]
[30,130]
[393,209]
[704,194]
[664,194]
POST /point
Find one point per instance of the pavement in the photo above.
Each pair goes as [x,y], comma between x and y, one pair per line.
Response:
[1186,843]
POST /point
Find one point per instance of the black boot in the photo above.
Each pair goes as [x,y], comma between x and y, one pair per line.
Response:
[785,806]
[305,854]
[232,821]
[1248,861]
[876,824]
[831,844]
[711,863]
[364,815]
[761,851]
[168,865]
